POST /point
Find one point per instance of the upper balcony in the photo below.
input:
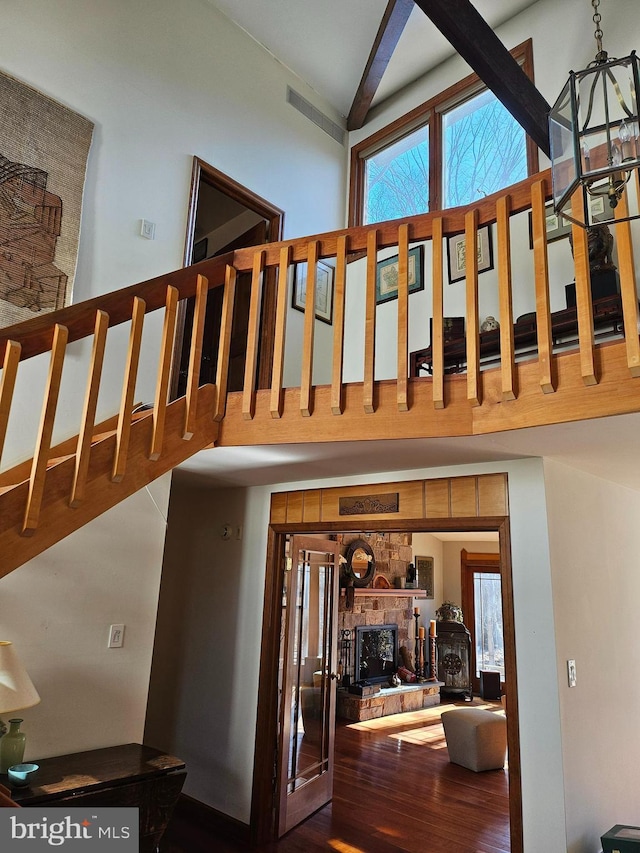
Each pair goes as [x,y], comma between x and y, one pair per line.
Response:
[401,352]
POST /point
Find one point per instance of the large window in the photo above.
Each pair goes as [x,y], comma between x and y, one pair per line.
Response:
[450,151]
[397,179]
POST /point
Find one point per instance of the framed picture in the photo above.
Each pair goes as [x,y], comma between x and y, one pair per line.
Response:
[324,290]
[387,275]
[457,254]
[557,226]
[424,568]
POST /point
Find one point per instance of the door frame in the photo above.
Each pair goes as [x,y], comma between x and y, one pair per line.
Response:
[262,806]
[203,171]
[469,563]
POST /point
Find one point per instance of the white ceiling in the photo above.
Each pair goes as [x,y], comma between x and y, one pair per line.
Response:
[327,43]
[606,447]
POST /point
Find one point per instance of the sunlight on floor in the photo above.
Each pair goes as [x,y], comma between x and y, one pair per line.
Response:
[422,728]
[343,847]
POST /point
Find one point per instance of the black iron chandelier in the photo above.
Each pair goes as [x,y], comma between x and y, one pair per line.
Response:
[594,130]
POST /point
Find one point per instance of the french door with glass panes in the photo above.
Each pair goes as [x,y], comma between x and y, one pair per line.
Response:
[307,679]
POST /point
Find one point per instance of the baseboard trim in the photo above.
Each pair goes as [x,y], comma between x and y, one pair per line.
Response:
[211,820]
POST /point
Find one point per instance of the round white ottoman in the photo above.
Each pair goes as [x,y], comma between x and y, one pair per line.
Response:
[476,739]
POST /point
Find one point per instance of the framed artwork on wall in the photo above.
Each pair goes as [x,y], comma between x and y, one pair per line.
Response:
[457,254]
[387,275]
[324,290]
[424,568]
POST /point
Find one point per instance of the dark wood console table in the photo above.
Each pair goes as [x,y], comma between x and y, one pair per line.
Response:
[607,313]
[127,775]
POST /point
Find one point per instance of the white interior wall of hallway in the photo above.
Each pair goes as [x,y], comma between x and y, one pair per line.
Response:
[57,610]
[162,82]
[204,688]
[594,542]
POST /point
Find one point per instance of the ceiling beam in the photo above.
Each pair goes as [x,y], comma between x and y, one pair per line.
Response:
[393,23]
[475,41]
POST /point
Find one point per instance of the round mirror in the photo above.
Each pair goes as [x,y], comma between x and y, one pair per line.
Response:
[361,563]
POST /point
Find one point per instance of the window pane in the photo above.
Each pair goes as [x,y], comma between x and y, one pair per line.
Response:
[397,179]
[484,150]
[489,636]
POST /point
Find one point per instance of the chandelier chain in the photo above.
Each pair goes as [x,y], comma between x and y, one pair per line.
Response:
[597,18]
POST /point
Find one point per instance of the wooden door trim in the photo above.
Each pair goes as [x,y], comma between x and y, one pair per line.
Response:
[468,563]
[201,170]
[262,813]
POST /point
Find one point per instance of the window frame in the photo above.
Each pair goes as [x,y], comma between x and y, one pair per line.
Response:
[428,113]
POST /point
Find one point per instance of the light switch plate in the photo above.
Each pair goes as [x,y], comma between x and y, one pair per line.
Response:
[116,637]
[571,673]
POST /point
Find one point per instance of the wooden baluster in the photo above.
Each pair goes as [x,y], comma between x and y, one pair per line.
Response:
[43,443]
[195,358]
[541,272]
[437,337]
[370,322]
[474,390]
[280,333]
[83,450]
[403,318]
[628,286]
[7,384]
[584,299]
[306,380]
[338,325]
[507,351]
[253,336]
[224,345]
[164,371]
[128,390]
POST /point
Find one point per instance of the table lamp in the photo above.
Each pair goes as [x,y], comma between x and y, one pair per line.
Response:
[16,692]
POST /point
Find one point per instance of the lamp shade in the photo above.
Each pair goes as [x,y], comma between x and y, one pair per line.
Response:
[16,688]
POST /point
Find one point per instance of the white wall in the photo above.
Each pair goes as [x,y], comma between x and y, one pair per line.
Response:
[162,82]
[594,540]
[215,734]
[57,610]
[427,545]
[451,565]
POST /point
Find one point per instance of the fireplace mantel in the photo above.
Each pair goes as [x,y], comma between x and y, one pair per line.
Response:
[399,593]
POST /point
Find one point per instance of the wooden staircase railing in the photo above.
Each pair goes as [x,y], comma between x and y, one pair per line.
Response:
[94,466]
[63,487]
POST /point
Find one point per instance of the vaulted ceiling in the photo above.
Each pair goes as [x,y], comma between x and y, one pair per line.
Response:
[330,44]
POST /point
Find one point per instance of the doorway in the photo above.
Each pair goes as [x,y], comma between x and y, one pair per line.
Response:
[224,216]
[481,584]
[269,699]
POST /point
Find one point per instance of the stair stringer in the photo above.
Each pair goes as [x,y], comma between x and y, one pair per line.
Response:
[58,519]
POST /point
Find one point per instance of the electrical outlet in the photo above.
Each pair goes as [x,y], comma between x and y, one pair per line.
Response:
[571,673]
[116,637]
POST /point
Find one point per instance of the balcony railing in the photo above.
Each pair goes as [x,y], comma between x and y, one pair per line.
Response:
[346,381]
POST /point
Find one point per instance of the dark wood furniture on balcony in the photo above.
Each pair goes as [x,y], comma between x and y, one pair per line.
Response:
[607,318]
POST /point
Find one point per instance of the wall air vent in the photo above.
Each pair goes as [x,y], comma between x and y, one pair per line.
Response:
[302,105]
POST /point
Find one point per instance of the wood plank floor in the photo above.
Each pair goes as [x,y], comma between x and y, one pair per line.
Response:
[394,790]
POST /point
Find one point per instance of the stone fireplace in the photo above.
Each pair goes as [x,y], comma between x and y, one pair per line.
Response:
[393,553]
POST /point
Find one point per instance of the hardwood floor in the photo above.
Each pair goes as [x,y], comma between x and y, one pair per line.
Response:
[394,790]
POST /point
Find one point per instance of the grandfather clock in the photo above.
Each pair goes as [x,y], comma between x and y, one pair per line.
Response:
[454,658]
